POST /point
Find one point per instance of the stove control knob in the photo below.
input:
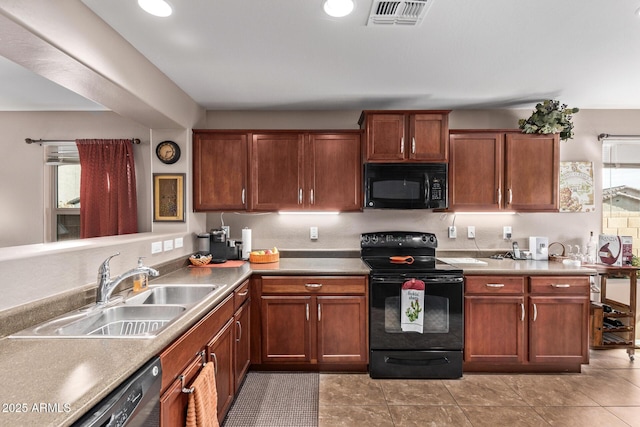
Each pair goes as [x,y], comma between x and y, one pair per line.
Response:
[374,239]
[365,238]
[425,238]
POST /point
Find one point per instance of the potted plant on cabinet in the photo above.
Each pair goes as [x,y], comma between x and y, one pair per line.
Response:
[550,117]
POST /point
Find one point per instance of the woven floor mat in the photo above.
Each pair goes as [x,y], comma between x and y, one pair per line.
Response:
[276,399]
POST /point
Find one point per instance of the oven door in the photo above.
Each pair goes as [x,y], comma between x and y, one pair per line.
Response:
[442,327]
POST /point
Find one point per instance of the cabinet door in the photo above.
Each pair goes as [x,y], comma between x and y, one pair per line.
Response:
[276,171]
[428,137]
[286,328]
[558,329]
[342,329]
[532,164]
[333,172]
[475,171]
[173,402]
[385,137]
[220,164]
[494,329]
[220,351]
[242,350]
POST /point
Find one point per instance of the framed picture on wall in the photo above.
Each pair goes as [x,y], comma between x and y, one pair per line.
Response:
[168,197]
[576,187]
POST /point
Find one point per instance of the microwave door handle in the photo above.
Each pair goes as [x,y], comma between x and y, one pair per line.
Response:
[427,188]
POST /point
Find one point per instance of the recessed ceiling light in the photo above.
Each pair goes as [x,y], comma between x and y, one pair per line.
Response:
[338,8]
[156,7]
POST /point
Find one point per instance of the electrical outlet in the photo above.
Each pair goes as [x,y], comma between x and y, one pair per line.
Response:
[226,230]
[471,232]
[452,232]
[313,233]
[506,232]
[156,247]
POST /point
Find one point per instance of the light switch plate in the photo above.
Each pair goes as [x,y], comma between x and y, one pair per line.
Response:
[178,242]
[156,247]
[168,245]
[313,233]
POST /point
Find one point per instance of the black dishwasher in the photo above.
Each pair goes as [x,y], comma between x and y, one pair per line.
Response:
[135,403]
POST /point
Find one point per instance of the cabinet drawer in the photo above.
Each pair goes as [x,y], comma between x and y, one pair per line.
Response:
[314,285]
[494,284]
[559,285]
[240,295]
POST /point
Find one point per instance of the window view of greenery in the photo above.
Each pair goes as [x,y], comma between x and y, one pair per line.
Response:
[67,193]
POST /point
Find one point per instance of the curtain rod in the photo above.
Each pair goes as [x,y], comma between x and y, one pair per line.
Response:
[606,136]
[48,141]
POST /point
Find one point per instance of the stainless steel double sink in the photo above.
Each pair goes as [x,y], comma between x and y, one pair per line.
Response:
[141,315]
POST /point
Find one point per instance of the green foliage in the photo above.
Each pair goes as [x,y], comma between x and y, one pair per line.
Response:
[550,117]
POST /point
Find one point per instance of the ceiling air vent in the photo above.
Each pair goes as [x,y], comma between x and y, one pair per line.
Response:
[403,12]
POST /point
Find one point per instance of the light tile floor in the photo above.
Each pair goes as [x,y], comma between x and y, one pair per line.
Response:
[606,393]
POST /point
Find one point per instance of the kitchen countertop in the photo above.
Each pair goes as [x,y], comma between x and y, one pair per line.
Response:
[54,381]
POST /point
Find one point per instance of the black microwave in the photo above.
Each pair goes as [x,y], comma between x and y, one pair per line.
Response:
[405,185]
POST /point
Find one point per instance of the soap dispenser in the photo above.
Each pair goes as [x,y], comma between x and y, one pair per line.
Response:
[140,281]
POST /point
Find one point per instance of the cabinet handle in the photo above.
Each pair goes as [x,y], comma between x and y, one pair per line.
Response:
[313,285]
[215,362]
[300,196]
[499,196]
[243,193]
[311,197]
[413,145]
[319,313]
[307,312]
[495,285]
[522,310]
[510,197]
[239,330]
[535,312]
[561,285]
[243,294]
[402,145]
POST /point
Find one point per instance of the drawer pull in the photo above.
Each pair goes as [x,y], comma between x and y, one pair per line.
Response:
[313,285]
[561,285]
[243,294]
[495,285]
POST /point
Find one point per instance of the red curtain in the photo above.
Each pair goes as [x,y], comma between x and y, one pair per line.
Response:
[108,204]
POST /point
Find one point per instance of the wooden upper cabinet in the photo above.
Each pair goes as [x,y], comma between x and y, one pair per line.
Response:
[406,136]
[503,170]
[476,171]
[276,171]
[220,165]
[532,165]
[333,178]
[306,171]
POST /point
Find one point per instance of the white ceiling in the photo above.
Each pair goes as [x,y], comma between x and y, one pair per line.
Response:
[288,55]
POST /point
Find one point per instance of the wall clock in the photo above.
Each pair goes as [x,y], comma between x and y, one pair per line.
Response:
[168,152]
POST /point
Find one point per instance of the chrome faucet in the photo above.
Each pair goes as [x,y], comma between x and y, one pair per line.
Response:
[106,285]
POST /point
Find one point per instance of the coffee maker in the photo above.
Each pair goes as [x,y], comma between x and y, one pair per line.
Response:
[218,246]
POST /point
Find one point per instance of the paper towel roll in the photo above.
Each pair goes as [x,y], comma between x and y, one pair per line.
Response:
[246,242]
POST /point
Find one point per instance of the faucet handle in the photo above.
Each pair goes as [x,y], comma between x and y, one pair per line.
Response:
[140,258]
[104,267]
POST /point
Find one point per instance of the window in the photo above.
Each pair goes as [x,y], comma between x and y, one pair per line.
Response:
[65,212]
[621,189]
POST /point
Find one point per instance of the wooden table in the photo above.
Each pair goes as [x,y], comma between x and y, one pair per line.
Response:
[626,334]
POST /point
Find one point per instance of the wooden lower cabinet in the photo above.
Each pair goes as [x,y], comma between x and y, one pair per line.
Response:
[223,338]
[220,353]
[526,323]
[313,322]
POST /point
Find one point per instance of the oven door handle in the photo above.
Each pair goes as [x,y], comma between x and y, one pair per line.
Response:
[416,362]
[434,279]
